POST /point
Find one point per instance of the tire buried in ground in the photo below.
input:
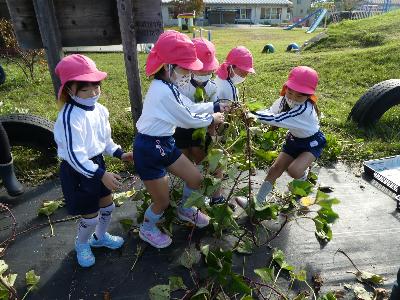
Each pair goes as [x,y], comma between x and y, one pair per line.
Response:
[375,102]
[30,131]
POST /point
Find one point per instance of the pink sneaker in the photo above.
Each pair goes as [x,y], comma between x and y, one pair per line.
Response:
[194,216]
[155,237]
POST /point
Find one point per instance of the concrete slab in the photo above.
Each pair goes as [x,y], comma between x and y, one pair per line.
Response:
[368,231]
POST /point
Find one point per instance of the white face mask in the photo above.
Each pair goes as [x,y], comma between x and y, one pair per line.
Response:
[236,79]
[180,80]
[291,103]
[201,78]
[85,101]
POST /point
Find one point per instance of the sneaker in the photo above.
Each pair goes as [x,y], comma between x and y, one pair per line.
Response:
[194,216]
[217,200]
[84,254]
[155,237]
[108,241]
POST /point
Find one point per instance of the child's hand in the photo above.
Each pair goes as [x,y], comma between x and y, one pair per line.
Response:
[218,118]
[111,180]
[225,106]
[128,156]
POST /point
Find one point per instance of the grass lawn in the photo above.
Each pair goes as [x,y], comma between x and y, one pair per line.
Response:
[347,68]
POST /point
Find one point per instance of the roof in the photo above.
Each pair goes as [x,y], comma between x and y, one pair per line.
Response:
[248,2]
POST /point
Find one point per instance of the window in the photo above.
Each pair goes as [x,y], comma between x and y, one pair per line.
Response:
[298,1]
[265,13]
[243,13]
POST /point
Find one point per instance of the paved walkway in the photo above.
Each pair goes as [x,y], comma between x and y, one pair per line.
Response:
[368,231]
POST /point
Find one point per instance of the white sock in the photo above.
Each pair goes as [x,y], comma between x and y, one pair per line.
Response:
[264,190]
[86,228]
[104,220]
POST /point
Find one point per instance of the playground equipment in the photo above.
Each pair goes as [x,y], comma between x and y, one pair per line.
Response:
[318,15]
[188,18]
[268,48]
[292,47]
[199,33]
[30,131]
[375,102]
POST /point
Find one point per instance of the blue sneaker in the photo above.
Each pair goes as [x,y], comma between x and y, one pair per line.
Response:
[108,240]
[84,254]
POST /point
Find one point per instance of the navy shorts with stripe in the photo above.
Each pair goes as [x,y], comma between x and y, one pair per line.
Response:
[82,194]
[294,146]
[153,154]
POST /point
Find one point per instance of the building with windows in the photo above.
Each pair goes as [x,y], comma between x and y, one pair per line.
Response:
[237,12]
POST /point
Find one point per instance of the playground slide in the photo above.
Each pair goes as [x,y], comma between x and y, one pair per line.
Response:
[318,20]
[303,20]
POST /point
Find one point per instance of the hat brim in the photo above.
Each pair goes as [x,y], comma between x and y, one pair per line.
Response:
[195,65]
[210,66]
[299,88]
[89,77]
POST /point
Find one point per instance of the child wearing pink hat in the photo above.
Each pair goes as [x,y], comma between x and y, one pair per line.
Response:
[233,71]
[297,111]
[82,133]
[200,89]
[171,62]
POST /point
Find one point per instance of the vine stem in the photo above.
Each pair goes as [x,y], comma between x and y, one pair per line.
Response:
[351,261]
[265,285]
[9,288]
[27,292]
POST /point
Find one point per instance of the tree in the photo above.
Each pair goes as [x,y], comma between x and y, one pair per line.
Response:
[187,6]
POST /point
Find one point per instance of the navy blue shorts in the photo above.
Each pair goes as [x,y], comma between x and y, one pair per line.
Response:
[184,139]
[153,154]
[295,146]
[82,194]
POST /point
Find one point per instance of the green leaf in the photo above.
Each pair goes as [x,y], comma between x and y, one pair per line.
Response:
[269,211]
[245,246]
[3,267]
[247,297]
[328,296]
[49,207]
[323,231]
[159,292]
[201,294]
[126,224]
[328,215]
[213,158]
[211,185]
[139,195]
[300,276]
[190,257]
[279,258]
[300,187]
[199,134]
[239,285]
[176,283]
[31,278]
[266,274]
[369,277]
[267,156]
[195,199]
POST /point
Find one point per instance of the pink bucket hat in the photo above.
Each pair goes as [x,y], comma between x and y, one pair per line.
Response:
[303,79]
[206,53]
[77,67]
[240,57]
[172,47]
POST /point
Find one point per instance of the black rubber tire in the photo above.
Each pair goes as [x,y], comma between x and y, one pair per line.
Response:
[2,75]
[30,131]
[375,102]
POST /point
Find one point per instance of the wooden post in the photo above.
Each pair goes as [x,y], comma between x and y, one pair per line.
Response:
[128,35]
[51,37]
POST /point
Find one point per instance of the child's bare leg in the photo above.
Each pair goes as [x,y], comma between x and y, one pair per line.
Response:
[279,166]
[188,153]
[149,232]
[298,167]
[186,170]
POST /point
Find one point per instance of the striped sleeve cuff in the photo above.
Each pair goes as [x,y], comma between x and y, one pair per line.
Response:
[99,173]
[118,153]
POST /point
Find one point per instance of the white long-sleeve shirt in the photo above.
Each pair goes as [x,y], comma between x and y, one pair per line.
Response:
[165,108]
[302,120]
[210,89]
[226,90]
[82,132]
